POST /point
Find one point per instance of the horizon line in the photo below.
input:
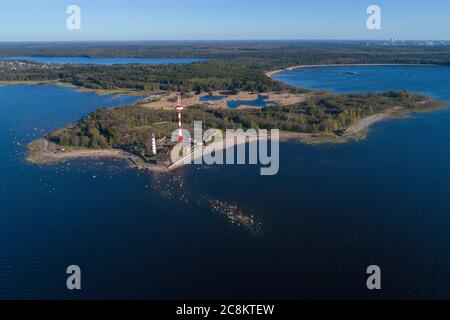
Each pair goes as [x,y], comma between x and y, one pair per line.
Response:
[223,40]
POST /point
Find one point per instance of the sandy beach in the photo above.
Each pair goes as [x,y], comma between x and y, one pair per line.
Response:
[366,122]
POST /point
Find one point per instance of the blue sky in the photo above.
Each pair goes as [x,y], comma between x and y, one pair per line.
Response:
[45,20]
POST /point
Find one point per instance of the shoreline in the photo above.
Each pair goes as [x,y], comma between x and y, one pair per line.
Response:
[39,153]
[70,85]
[366,122]
[43,152]
[357,129]
[270,74]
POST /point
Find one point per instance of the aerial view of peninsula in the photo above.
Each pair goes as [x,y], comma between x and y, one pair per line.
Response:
[189,150]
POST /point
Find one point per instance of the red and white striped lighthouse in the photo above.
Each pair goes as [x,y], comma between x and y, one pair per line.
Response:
[179,109]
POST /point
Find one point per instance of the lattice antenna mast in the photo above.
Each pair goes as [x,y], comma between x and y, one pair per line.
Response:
[180,109]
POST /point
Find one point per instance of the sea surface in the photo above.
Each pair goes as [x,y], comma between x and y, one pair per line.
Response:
[105,61]
[430,80]
[332,210]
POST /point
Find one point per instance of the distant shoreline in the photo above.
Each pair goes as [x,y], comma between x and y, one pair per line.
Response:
[270,74]
[70,85]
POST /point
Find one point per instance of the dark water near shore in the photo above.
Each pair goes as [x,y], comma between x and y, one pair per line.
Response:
[332,211]
[106,61]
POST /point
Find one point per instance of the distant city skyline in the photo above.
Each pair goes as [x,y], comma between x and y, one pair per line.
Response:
[135,20]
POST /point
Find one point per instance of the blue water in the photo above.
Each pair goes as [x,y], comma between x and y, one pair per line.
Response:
[259,102]
[212,98]
[106,61]
[430,80]
[331,211]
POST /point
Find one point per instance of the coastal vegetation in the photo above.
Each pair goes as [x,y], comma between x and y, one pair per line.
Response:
[199,77]
[233,68]
[230,66]
[130,127]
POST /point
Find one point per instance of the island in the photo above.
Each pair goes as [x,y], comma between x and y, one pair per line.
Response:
[231,73]
[126,132]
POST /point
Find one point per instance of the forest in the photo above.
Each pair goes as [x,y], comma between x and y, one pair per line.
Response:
[230,66]
[130,127]
[198,77]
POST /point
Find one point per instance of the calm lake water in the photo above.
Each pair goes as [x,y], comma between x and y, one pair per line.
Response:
[331,211]
[258,102]
[106,61]
[212,98]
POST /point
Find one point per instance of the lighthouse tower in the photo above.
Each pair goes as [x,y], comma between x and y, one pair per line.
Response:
[179,109]
[153,144]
